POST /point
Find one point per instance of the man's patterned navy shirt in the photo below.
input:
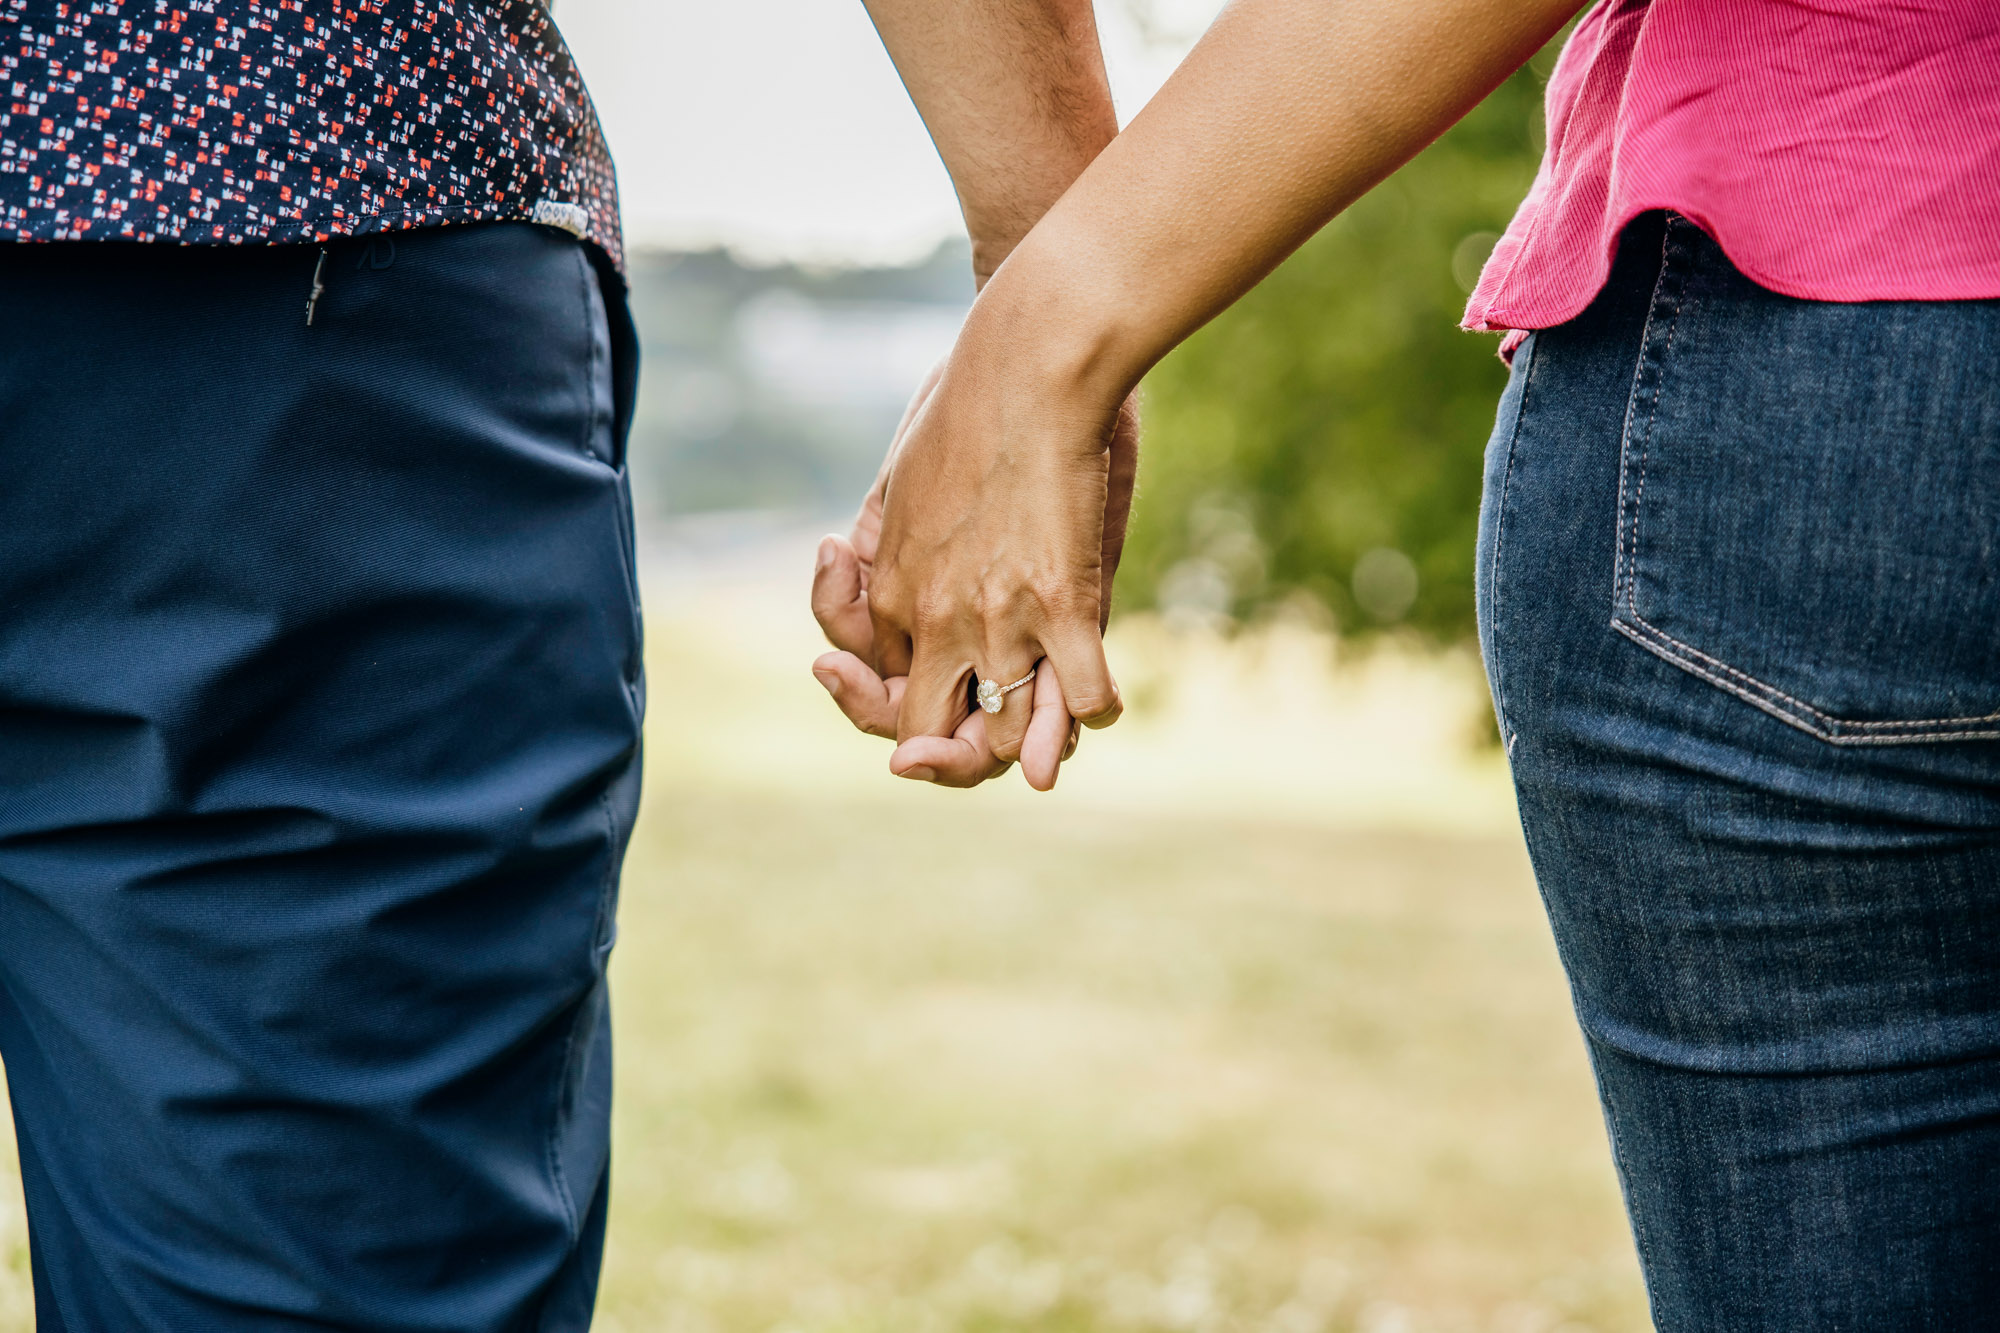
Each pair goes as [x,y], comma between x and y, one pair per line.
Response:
[228,121]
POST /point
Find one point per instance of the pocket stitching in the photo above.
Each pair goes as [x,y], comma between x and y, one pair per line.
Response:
[1508,734]
[1830,737]
[1834,724]
[1651,637]
[1657,367]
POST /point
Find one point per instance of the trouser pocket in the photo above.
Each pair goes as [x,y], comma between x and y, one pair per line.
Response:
[1809,503]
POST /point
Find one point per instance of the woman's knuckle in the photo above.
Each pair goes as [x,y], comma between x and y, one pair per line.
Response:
[1059,600]
[889,597]
[932,614]
[1089,701]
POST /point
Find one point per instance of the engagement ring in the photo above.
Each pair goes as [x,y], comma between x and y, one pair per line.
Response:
[992,695]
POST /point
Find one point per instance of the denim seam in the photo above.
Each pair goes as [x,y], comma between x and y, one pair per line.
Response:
[1659,374]
[1507,733]
[1621,565]
[1625,577]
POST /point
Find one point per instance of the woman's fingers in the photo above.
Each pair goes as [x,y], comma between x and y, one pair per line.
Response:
[1049,730]
[1008,728]
[940,741]
[1035,722]
[869,701]
[969,756]
[991,557]
[1077,654]
[839,599]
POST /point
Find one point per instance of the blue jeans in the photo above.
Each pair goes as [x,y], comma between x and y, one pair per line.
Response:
[319,724]
[1739,580]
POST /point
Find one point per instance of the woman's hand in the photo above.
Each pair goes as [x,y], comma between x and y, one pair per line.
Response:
[843,574]
[993,551]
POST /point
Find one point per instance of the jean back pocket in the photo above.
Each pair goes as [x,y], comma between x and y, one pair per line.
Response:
[1809,507]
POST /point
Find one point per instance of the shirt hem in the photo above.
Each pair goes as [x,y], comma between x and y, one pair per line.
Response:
[1504,313]
[307,231]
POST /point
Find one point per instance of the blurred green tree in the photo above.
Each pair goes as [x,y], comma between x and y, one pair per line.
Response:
[1324,436]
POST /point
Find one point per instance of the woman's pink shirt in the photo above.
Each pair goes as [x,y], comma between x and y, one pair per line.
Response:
[1838,150]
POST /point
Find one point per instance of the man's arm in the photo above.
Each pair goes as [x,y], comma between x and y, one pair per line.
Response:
[1016,100]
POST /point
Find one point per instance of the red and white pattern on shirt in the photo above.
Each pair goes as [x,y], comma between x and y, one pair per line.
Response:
[229,121]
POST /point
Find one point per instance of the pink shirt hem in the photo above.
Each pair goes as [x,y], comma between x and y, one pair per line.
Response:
[1837,150]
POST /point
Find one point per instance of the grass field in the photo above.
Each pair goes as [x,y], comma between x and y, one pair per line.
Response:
[1253,1027]
[1153,1074]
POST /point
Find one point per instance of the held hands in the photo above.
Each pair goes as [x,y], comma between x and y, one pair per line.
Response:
[987,546]
[985,551]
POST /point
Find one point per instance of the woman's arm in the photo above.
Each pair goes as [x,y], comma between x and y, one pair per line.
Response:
[1286,112]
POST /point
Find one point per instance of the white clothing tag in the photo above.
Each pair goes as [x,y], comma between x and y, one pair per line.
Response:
[569,217]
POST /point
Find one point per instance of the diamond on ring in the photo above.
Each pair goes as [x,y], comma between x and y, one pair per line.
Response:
[992,695]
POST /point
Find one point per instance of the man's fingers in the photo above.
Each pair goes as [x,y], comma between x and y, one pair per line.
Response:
[1124,471]
[1087,686]
[869,702]
[868,523]
[934,702]
[839,602]
[962,759]
[891,656]
[1048,734]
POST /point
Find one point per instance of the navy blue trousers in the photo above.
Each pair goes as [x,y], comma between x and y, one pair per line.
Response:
[319,724]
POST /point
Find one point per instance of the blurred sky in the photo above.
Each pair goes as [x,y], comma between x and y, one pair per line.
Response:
[778,127]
